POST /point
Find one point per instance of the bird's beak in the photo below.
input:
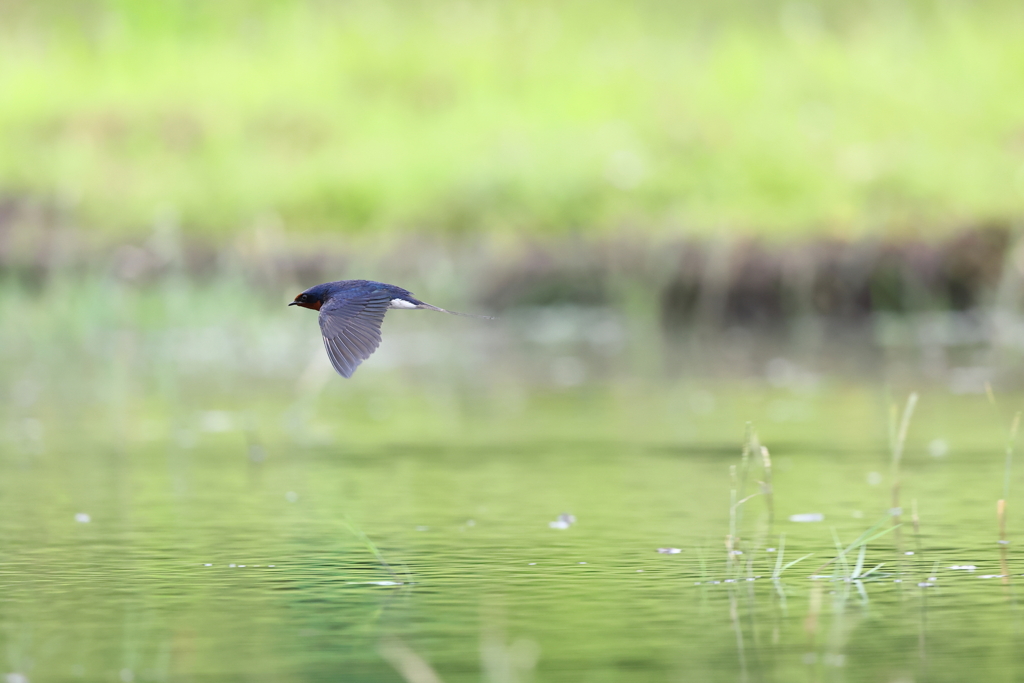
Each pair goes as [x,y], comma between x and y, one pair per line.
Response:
[294,303]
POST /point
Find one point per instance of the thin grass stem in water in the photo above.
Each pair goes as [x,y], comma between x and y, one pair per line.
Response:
[860,561]
[779,556]
[1001,505]
[767,488]
[730,539]
[898,440]
[841,554]
[866,537]
[370,545]
[872,570]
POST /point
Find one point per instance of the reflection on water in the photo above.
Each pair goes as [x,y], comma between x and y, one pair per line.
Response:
[197,497]
[148,564]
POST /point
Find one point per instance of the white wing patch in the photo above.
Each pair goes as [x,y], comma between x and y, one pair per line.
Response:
[401,303]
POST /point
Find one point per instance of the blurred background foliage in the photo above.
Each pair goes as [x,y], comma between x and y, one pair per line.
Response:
[498,118]
[613,179]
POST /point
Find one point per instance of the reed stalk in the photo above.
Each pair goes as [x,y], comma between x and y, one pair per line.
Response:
[898,440]
[767,488]
[1001,504]
[751,449]
[1001,518]
[730,539]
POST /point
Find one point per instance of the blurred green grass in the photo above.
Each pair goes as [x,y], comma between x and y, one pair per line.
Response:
[496,118]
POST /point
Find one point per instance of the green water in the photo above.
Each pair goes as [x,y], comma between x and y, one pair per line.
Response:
[171,510]
[201,563]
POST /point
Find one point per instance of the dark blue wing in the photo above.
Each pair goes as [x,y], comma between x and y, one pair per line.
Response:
[351,328]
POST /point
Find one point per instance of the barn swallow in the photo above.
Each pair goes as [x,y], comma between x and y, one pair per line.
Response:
[351,312]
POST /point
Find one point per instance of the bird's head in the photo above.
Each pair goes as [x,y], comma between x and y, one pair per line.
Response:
[311,298]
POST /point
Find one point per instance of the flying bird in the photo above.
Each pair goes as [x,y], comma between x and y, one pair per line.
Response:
[351,312]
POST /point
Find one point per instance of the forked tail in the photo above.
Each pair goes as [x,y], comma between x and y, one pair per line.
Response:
[464,315]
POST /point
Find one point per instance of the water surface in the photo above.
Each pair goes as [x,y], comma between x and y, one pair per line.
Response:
[205,563]
[189,496]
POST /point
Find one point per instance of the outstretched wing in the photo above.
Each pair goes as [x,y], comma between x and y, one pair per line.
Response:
[351,328]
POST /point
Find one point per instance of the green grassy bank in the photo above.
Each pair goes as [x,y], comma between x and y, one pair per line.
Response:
[500,117]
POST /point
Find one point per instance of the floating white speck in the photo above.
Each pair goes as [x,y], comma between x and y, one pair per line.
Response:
[991,576]
[897,580]
[895,512]
[639,571]
[207,565]
[291,497]
[965,567]
[241,566]
[769,550]
[909,552]
[82,518]
[582,562]
[271,565]
[932,578]
[815,577]
[374,583]
[669,551]
[423,528]
[564,521]
[231,565]
[531,563]
[807,517]
[925,584]
[16,678]
[1002,542]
